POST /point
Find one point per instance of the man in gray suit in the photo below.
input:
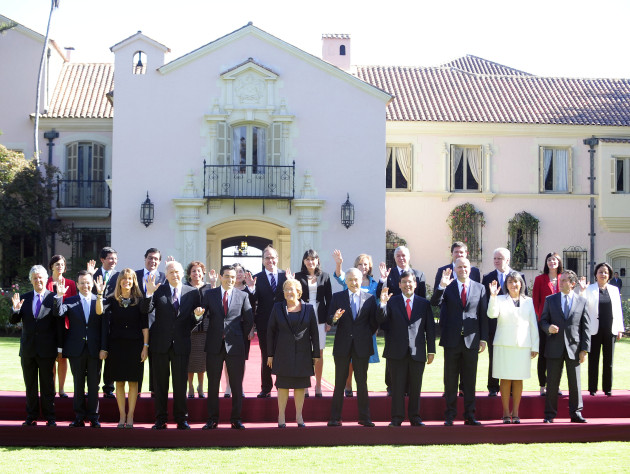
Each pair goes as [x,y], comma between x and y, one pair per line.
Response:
[565,320]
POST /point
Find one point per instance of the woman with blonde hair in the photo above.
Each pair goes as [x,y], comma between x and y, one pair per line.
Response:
[128,338]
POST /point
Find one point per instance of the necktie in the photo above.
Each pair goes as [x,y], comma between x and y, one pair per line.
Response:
[273,282]
[175,300]
[38,305]
[567,307]
[105,276]
[225,303]
[355,309]
[408,306]
[86,309]
[464,296]
[500,281]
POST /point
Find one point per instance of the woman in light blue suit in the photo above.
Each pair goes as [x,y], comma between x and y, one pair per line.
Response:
[515,342]
[604,310]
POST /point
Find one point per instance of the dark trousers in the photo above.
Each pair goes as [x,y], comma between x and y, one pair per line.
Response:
[493,384]
[554,372]
[235,368]
[34,369]
[604,344]
[406,372]
[86,366]
[460,360]
[360,367]
[108,382]
[163,364]
[266,384]
[542,362]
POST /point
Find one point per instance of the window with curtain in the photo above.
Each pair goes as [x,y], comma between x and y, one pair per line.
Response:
[466,168]
[621,175]
[249,148]
[398,167]
[555,170]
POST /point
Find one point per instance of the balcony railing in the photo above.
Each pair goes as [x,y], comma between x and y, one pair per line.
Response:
[248,181]
[74,193]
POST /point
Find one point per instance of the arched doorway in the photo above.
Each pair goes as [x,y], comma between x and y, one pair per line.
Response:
[619,260]
[224,240]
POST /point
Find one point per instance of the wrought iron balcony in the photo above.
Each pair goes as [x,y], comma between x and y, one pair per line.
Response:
[248,181]
[85,194]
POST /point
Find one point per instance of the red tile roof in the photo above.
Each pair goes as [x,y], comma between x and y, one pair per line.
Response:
[448,94]
[81,91]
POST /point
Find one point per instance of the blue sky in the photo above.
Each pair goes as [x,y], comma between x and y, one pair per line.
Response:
[549,38]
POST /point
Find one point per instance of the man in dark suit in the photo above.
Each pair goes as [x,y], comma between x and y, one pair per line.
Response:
[501,260]
[107,271]
[616,281]
[230,320]
[565,320]
[409,344]
[266,290]
[152,259]
[85,345]
[463,334]
[40,345]
[390,277]
[353,313]
[177,311]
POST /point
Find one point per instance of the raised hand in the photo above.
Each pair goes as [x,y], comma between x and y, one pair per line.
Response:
[337,256]
[583,284]
[212,278]
[447,277]
[385,295]
[91,267]
[151,285]
[61,288]
[99,284]
[290,276]
[494,288]
[170,258]
[384,270]
[249,280]
[338,314]
[17,302]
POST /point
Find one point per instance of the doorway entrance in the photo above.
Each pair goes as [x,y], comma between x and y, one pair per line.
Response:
[246,250]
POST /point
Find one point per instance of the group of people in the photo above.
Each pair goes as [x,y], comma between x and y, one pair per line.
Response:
[205,326]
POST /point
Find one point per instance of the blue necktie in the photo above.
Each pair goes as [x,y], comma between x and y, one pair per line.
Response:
[353,305]
[86,309]
[175,300]
[273,282]
[38,305]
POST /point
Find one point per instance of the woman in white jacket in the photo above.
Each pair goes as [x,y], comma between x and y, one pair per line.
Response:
[606,325]
[515,342]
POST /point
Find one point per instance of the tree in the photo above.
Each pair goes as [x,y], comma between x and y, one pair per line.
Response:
[7,26]
[25,207]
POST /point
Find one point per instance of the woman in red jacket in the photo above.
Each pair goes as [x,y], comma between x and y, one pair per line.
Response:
[57,266]
[545,285]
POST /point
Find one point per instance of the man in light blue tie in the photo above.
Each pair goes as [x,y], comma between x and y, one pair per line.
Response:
[85,345]
[353,313]
[565,320]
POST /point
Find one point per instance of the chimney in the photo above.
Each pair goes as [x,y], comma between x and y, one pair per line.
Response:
[336,50]
[69,50]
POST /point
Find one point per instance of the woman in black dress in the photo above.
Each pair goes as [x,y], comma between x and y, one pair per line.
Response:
[128,338]
[293,345]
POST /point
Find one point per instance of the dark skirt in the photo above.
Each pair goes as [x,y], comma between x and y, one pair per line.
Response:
[124,358]
[197,359]
[283,381]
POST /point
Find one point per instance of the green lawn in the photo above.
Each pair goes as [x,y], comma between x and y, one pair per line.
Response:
[432,382]
[566,457]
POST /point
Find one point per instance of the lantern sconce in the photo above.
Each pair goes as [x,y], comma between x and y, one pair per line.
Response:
[347,213]
[147,210]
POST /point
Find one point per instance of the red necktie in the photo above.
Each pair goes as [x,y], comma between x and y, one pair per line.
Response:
[464,296]
[225,303]
[408,306]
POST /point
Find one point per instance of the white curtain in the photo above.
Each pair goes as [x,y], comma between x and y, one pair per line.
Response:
[473,157]
[403,158]
[239,146]
[388,155]
[458,153]
[561,165]
[261,147]
[547,156]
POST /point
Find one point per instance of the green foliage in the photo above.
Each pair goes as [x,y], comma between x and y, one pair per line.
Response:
[7,26]
[625,305]
[521,229]
[466,223]
[20,287]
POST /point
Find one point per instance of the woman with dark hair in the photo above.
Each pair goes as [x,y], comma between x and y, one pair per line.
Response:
[317,291]
[128,338]
[57,266]
[196,274]
[293,345]
[368,284]
[515,342]
[545,285]
[606,316]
